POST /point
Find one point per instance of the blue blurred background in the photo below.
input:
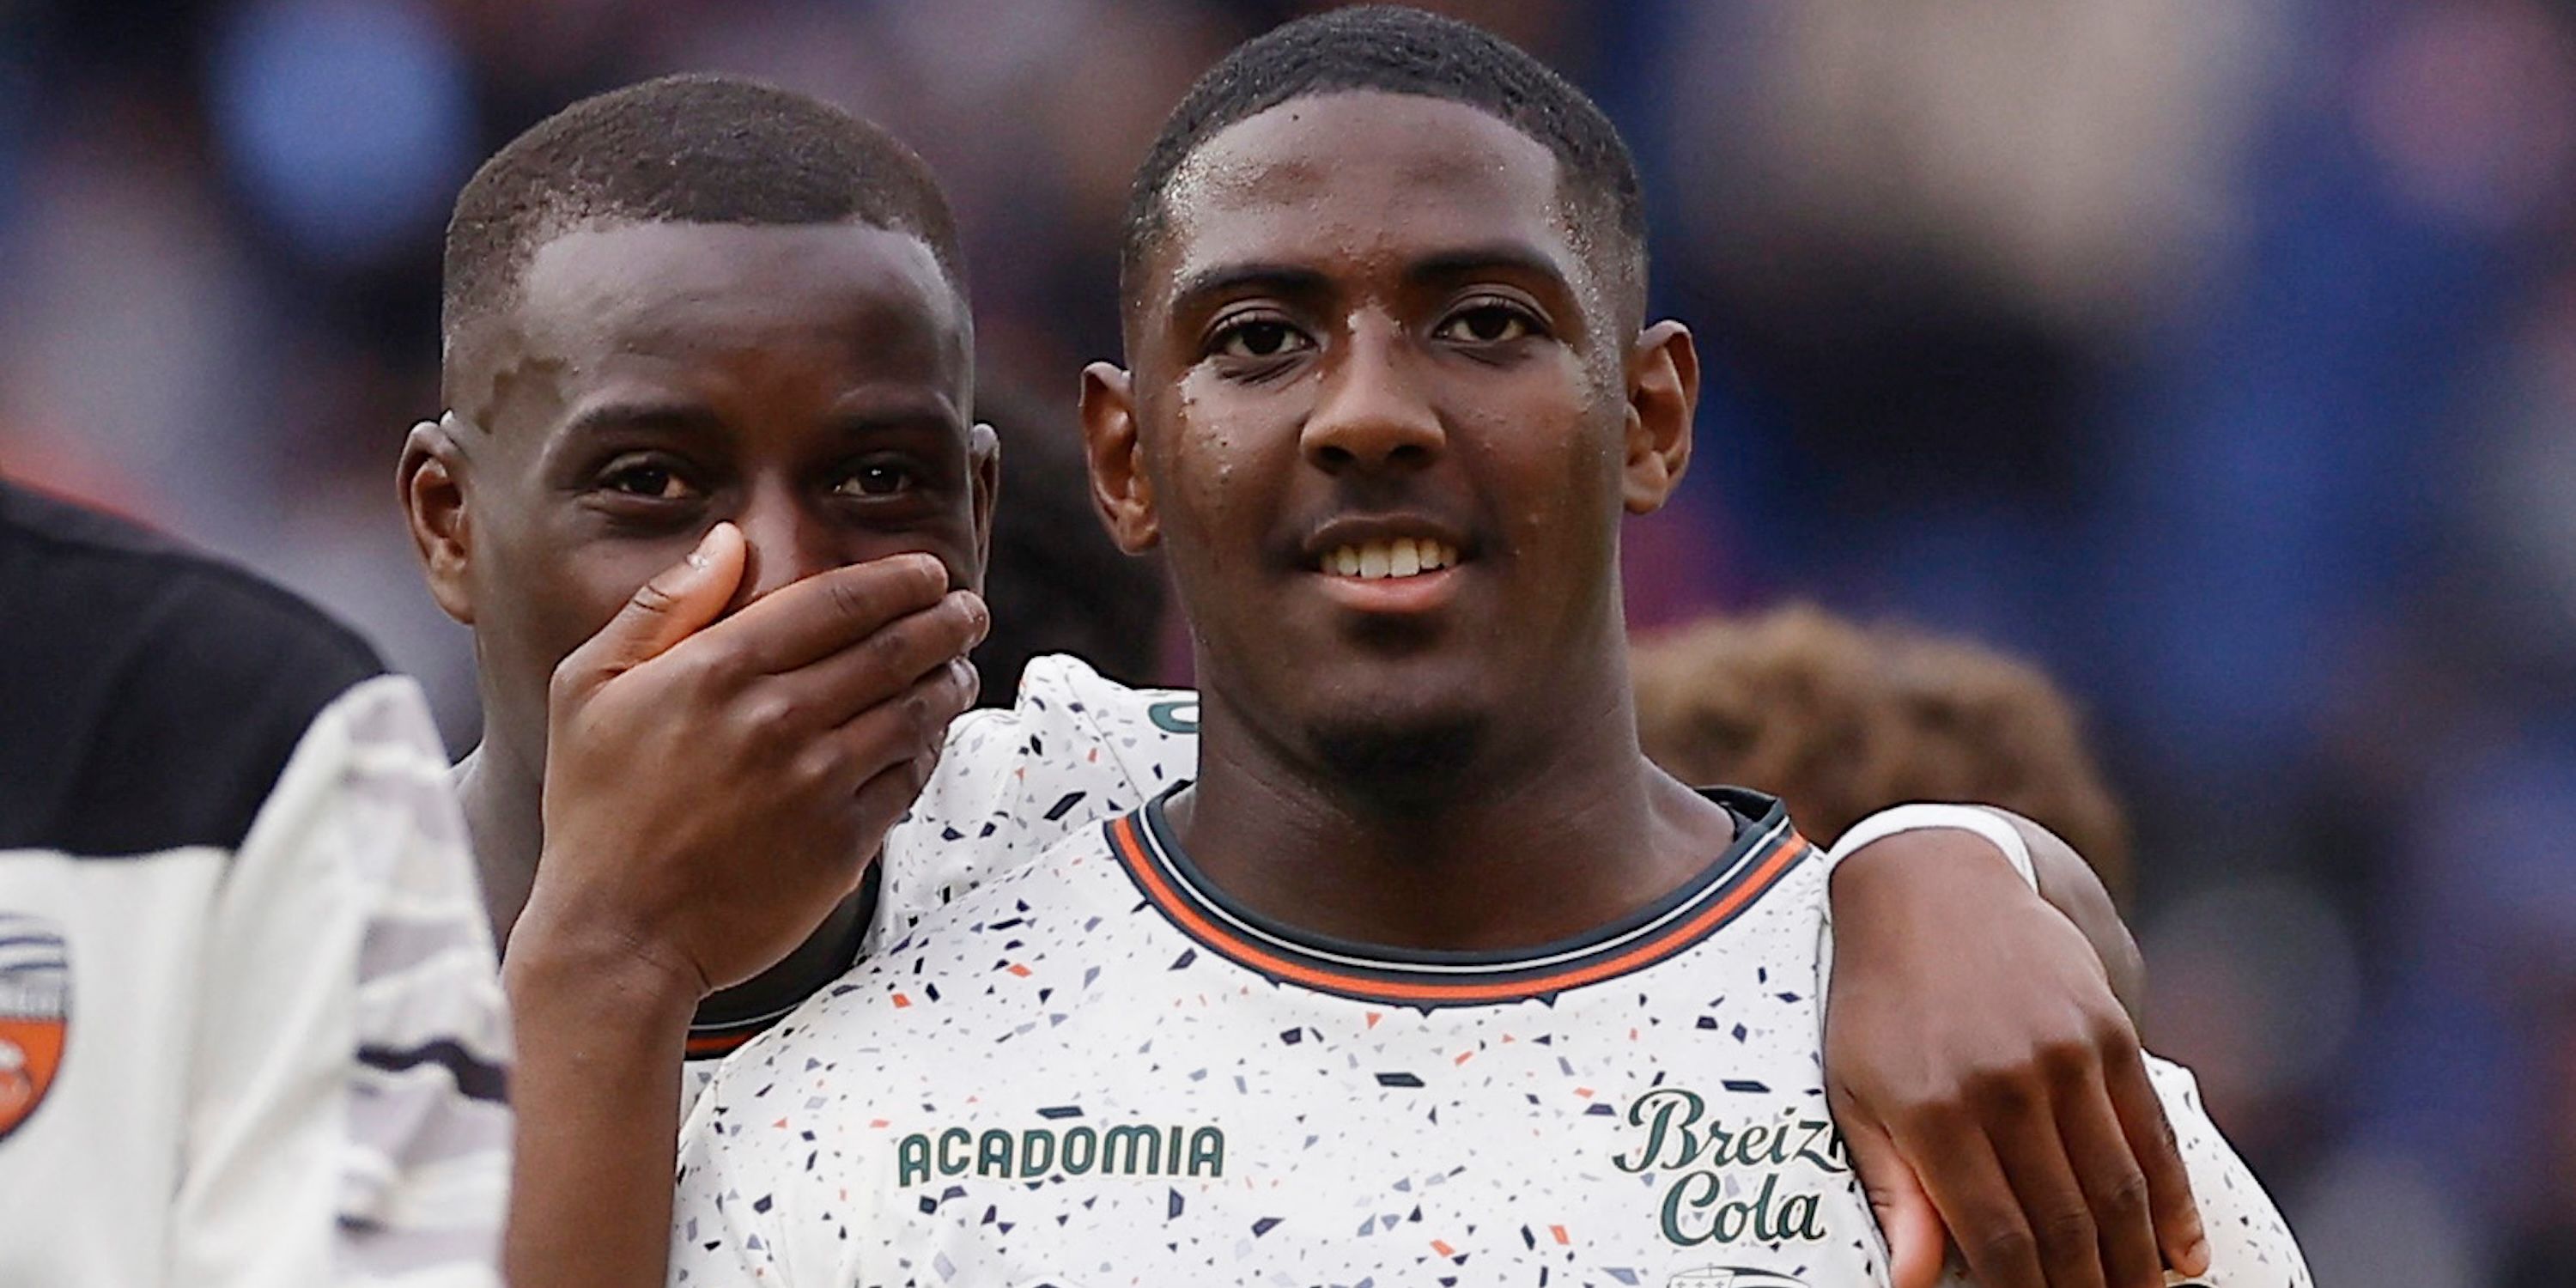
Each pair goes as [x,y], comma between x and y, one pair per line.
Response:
[2219,354]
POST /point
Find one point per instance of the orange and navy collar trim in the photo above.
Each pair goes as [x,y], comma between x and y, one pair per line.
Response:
[1765,848]
[715,1041]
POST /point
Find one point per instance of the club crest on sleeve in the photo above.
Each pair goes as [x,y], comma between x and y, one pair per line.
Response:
[35,1012]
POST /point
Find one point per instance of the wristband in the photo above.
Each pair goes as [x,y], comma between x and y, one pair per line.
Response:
[1916,818]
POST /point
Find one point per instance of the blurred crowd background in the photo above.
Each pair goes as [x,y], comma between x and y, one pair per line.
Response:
[2218,355]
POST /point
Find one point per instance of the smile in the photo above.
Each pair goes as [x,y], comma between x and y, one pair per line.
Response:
[1378,560]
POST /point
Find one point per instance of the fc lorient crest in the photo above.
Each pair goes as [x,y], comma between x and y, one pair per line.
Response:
[35,1014]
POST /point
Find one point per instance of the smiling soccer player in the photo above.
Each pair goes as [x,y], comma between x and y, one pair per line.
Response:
[1429,968]
[716,329]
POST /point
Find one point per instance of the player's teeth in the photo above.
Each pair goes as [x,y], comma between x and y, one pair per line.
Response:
[1402,557]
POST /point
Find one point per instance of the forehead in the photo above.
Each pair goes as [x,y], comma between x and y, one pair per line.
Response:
[848,294]
[1361,178]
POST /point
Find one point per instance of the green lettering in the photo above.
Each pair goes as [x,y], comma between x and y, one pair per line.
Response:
[1832,1158]
[993,1154]
[1207,1149]
[1675,1115]
[1732,1217]
[954,1164]
[1763,1229]
[1036,1161]
[912,1161]
[1143,1144]
[1749,1143]
[1799,1218]
[1081,1145]
[1682,1195]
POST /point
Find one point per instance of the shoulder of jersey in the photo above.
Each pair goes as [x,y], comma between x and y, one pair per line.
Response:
[149,694]
[1048,904]
[1152,732]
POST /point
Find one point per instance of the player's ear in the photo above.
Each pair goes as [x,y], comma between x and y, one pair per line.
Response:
[1663,394]
[1119,487]
[432,479]
[984,460]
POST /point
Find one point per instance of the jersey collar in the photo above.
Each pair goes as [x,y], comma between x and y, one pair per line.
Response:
[1765,847]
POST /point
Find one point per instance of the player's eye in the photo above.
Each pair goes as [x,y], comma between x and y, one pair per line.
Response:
[646,479]
[877,479]
[1487,322]
[1257,338]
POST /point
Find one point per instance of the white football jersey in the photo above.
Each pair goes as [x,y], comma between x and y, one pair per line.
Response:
[1098,1069]
[251,1026]
[1073,750]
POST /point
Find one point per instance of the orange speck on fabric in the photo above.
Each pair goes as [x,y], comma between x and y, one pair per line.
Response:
[1373,1019]
[1585,1092]
[1442,1247]
[1559,1232]
[781,1124]
[1465,1056]
[1019,970]
[880,1124]
[900,1001]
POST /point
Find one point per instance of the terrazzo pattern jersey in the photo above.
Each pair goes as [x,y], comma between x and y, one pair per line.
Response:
[1073,750]
[1095,1069]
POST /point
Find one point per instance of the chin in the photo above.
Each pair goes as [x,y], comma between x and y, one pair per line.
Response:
[1397,757]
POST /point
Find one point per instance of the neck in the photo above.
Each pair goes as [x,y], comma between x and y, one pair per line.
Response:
[504,804]
[1552,831]
[504,815]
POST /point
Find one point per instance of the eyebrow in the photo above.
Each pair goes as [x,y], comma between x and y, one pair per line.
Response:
[1473,261]
[698,421]
[1514,257]
[664,417]
[861,415]
[1223,279]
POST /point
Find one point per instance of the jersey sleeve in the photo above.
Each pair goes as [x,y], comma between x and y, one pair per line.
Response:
[1074,749]
[2249,1244]
[721,1233]
[351,1047]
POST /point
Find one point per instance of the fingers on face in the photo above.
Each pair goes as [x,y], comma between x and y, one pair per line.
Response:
[829,612]
[883,795]
[904,733]
[676,603]
[890,665]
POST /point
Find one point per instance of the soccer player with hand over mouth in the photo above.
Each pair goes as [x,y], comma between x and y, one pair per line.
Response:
[712,497]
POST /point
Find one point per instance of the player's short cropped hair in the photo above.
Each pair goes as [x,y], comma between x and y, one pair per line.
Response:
[1841,721]
[682,149]
[1397,50]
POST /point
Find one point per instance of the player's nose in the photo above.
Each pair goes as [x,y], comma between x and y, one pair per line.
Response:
[787,542]
[1372,412]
